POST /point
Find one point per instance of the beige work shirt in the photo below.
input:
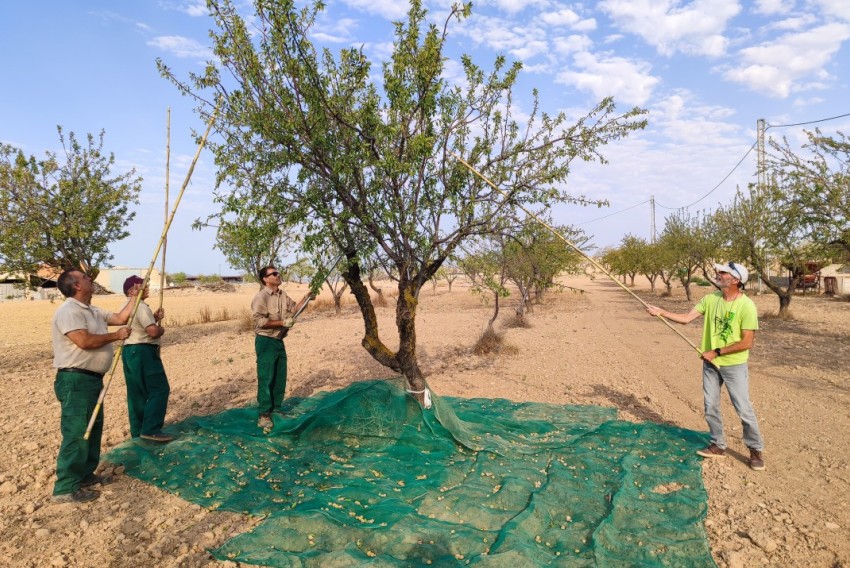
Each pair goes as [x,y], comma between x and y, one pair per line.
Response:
[144,318]
[269,305]
[73,315]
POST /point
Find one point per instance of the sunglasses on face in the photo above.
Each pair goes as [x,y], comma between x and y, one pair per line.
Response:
[275,273]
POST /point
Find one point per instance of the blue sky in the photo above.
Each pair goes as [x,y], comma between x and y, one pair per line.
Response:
[706,70]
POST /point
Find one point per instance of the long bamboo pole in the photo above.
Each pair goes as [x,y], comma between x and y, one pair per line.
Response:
[578,250]
[167,180]
[117,355]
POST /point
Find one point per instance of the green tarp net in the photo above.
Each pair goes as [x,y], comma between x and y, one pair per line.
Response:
[364,477]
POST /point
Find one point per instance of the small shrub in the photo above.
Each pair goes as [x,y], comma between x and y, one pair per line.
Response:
[246,320]
[701,282]
[322,305]
[490,342]
[516,321]
[379,301]
[205,315]
[767,316]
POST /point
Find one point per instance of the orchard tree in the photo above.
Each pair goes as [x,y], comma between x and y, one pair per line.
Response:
[763,226]
[484,265]
[65,210]
[693,244]
[252,227]
[819,183]
[534,256]
[374,163]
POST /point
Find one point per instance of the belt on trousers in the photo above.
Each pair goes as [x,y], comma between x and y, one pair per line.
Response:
[83,371]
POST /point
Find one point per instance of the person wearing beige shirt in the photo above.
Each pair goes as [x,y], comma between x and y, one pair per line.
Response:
[147,383]
[82,353]
[272,311]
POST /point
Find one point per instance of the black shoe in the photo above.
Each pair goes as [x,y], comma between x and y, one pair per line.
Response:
[157,437]
[95,479]
[78,496]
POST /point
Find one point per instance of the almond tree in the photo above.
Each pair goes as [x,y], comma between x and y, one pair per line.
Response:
[65,210]
[369,167]
[819,181]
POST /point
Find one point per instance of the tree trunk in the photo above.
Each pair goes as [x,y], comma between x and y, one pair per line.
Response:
[495,310]
[784,303]
[405,316]
[379,291]
[686,284]
[404,360]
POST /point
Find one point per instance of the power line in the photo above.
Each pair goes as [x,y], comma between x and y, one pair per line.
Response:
[805,123]
[612,214]
[713,189]
[747,154]
[744,157]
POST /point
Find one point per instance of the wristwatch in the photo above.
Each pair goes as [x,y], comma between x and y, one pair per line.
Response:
[717,351]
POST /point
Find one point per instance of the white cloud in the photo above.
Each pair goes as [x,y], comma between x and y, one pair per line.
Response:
[795,23]
[627,80]
[587,25]
[696,28]
[196,8]
[837,8]
[565,17]
[774,67]
[522,41]
[334,30]
[392,10]
[514,6]
[772,7]
[572,44]
[181,46]
[801,102]
[144,27]
[683,119]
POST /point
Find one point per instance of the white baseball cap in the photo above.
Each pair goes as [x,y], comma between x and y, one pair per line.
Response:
[737,270]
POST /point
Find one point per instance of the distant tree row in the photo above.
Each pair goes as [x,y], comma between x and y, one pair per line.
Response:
[798,220]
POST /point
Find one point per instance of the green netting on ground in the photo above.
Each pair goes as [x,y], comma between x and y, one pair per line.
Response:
[364,477]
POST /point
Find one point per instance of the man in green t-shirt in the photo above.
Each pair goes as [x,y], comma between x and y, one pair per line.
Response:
[730,320]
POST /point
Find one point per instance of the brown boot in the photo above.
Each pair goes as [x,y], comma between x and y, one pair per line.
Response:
[756,460]
[712,451]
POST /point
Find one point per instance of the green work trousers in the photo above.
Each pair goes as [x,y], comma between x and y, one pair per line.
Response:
[147,389]
[78,458]
[271,373]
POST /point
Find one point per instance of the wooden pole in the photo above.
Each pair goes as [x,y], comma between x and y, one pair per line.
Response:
[578,250]
[117,356]
[167,179]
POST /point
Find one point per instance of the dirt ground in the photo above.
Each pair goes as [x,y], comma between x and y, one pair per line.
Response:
[595,347]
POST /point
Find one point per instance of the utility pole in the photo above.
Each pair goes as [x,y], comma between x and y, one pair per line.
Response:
[652,219]
[761,180]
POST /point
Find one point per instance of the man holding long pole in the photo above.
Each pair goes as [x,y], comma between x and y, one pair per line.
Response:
[273,312]
[730,320]
[82,353]
[147,383]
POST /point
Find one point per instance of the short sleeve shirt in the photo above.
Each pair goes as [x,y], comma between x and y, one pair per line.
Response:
[73,315]
[723,324]
[144,318]
[270,305]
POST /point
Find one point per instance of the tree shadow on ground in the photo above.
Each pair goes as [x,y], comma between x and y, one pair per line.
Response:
[629,402]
